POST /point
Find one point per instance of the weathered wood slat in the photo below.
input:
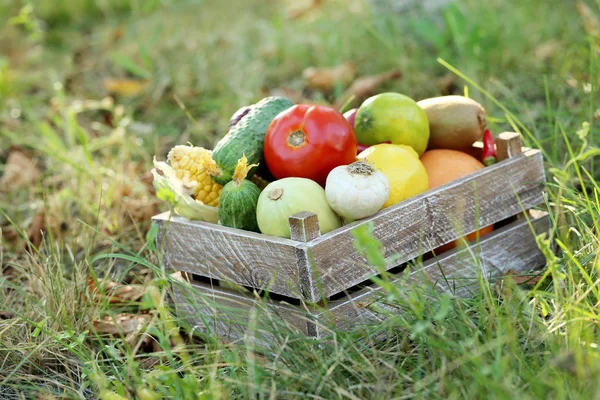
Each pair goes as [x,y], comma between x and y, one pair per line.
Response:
[512,247]
[477,150]
[226,313]
[245,258]
[430,220]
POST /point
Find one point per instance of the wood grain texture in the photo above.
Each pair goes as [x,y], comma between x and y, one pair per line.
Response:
[244,258]
[304,226]
[228,314]
[508,145]
[427,221]
[512,247]
[477,149]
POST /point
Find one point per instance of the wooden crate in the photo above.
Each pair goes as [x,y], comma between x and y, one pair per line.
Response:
[313,269]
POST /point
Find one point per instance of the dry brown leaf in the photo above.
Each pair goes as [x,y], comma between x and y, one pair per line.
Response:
[546,50]
[47,396]
[36,229]
[117,34]
[125,87]
[295,96]
[141,209]
[149,362]
[7,314]
[121,324]
[528,280]
[20,170]
[591,21]
[10,234]
[179,276]
[8,273]
[366,86]
[447,84]
[129,325]
[147,178]
[300,8]
[326,78]
[115,293]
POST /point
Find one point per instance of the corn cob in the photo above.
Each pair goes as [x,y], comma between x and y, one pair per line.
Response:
[186,161]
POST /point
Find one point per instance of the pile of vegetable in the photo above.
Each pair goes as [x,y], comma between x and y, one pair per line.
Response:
[342,167]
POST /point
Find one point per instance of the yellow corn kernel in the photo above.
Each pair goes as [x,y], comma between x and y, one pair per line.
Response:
[187,163]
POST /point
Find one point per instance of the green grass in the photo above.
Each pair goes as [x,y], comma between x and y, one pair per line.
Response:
[202,62]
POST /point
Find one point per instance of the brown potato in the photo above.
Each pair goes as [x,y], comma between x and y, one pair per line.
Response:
[455,122]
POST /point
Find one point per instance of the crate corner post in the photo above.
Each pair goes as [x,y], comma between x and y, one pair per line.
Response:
[304,228]
[508,145]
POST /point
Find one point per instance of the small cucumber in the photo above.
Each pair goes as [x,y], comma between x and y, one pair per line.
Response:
[246,138]
[238,200]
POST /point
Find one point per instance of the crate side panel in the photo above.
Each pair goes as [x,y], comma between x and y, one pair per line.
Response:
[432,219]
[227,314]
[513,247]
[245,259]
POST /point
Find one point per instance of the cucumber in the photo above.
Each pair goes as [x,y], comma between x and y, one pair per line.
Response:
[238,200]
[247,138]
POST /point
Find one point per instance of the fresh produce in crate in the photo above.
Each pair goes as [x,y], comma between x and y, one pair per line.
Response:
[488,155]
[319,144]
[286,197]
[238,115]
[392,117]
[179,194]
[244,138]
[444,166]
[237,203]
[401,166]
[356,191]
[455,122]
[350,115]
[308,141]
[262,172]
[187,164]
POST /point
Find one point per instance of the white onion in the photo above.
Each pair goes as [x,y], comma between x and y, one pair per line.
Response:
[356,191]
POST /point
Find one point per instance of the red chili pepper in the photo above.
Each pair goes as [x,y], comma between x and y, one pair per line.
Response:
[489,150]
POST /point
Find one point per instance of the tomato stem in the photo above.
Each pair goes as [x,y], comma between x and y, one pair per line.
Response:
[297,138]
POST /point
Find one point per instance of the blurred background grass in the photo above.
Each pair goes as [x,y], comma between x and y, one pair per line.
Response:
[215,58]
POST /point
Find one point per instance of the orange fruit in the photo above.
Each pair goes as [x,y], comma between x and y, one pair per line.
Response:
[443,166]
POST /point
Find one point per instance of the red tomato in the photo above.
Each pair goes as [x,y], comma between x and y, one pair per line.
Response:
[308,141]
